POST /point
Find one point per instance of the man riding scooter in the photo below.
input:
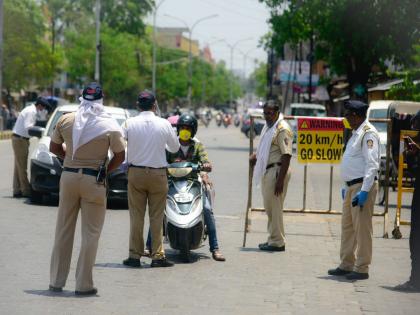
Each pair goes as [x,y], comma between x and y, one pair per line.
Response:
[192,150]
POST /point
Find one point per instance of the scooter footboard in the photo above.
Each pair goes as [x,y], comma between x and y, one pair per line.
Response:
[185,239]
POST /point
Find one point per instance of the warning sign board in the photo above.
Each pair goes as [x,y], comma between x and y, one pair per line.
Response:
[320,140]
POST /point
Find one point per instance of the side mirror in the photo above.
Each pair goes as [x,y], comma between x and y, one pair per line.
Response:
[36,131]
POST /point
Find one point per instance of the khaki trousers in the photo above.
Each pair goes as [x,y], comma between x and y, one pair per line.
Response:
[274,206]
[146,186]
[77,191]
[357,231]
[20,175]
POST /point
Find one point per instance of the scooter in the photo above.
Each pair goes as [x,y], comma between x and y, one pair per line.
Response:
[184,213]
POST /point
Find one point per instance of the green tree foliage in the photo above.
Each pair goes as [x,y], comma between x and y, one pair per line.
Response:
[409,90]
[27,58]
[259,78]
[351,35]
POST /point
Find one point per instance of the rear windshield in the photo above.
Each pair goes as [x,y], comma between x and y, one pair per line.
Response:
[378,113]
[308,112]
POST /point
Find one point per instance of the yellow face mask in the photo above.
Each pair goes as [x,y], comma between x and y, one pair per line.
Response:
[185,135]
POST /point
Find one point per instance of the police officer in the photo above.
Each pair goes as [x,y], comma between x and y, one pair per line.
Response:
[413,161]
[20,143]
[272,161]
[87,134]
[359,169]
[147,137]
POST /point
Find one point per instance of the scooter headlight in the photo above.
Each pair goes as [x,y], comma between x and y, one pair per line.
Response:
[43,154]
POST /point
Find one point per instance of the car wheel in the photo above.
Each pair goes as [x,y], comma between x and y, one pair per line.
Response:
[36,197]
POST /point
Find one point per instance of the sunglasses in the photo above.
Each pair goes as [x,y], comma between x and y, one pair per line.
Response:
[269,113]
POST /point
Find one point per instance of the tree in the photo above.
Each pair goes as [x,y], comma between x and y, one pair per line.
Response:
[351,35]
[27,58]
[259,78]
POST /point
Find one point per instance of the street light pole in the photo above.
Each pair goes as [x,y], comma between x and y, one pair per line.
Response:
[154,47]
[98,42]
[232,48]
[190,30]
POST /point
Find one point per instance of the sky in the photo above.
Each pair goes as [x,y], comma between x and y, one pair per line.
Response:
[236,20]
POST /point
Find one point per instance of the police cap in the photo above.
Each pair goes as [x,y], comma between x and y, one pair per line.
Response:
[357,107]
[92,92]
[43,102]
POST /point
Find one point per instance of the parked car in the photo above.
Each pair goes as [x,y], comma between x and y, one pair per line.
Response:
[46,168]
[305,109]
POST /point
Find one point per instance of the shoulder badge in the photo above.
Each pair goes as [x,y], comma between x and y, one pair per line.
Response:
[366,128]
[369,143]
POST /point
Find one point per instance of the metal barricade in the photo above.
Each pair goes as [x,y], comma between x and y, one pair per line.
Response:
[385,182]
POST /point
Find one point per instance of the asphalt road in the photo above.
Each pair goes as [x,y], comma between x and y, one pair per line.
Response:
[249,281]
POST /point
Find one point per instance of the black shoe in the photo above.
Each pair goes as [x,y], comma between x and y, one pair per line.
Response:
[55,289]
[338,272]
[262,244]
[17,195]
[85,293]
[407,287]
[161,263]
[271,248]
[132,262]
[357,276]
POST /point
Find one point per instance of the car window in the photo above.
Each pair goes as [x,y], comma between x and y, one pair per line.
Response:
[308,112]
[378,113]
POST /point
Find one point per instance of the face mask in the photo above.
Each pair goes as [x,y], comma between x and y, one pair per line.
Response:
[185,135]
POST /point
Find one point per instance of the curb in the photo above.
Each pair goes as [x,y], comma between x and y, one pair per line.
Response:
[4,135]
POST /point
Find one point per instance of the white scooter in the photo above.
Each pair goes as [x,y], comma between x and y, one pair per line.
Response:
[184,213]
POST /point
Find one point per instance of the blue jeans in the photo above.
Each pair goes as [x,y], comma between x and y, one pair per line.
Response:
[209,221]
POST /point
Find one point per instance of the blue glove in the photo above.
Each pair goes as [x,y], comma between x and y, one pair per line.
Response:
[343,193]
[360,198]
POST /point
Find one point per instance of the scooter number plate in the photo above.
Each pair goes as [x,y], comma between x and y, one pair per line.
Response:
[183,197]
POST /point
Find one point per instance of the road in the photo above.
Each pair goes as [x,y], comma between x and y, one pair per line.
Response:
[249,282]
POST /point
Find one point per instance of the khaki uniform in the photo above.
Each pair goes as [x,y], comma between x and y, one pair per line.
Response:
[357,231]
[146,185]
[360,161]
[80,191]
[281,144]
[20,175]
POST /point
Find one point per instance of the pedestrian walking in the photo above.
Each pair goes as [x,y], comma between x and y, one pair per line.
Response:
[20,143]
[272,161]
[87,134]
[359,170]
[413,161]
[147,137]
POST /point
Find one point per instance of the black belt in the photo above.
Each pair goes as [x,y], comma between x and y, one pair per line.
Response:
[272,165]
[86,171]
[153,168]
[356,181]
[20,137]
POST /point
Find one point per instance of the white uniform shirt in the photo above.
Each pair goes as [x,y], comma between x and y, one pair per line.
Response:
[147,138]
[25,120]
[361,157]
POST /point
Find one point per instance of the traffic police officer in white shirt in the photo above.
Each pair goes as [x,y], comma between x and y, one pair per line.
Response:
[359,169]
[147,138]
[20,143]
